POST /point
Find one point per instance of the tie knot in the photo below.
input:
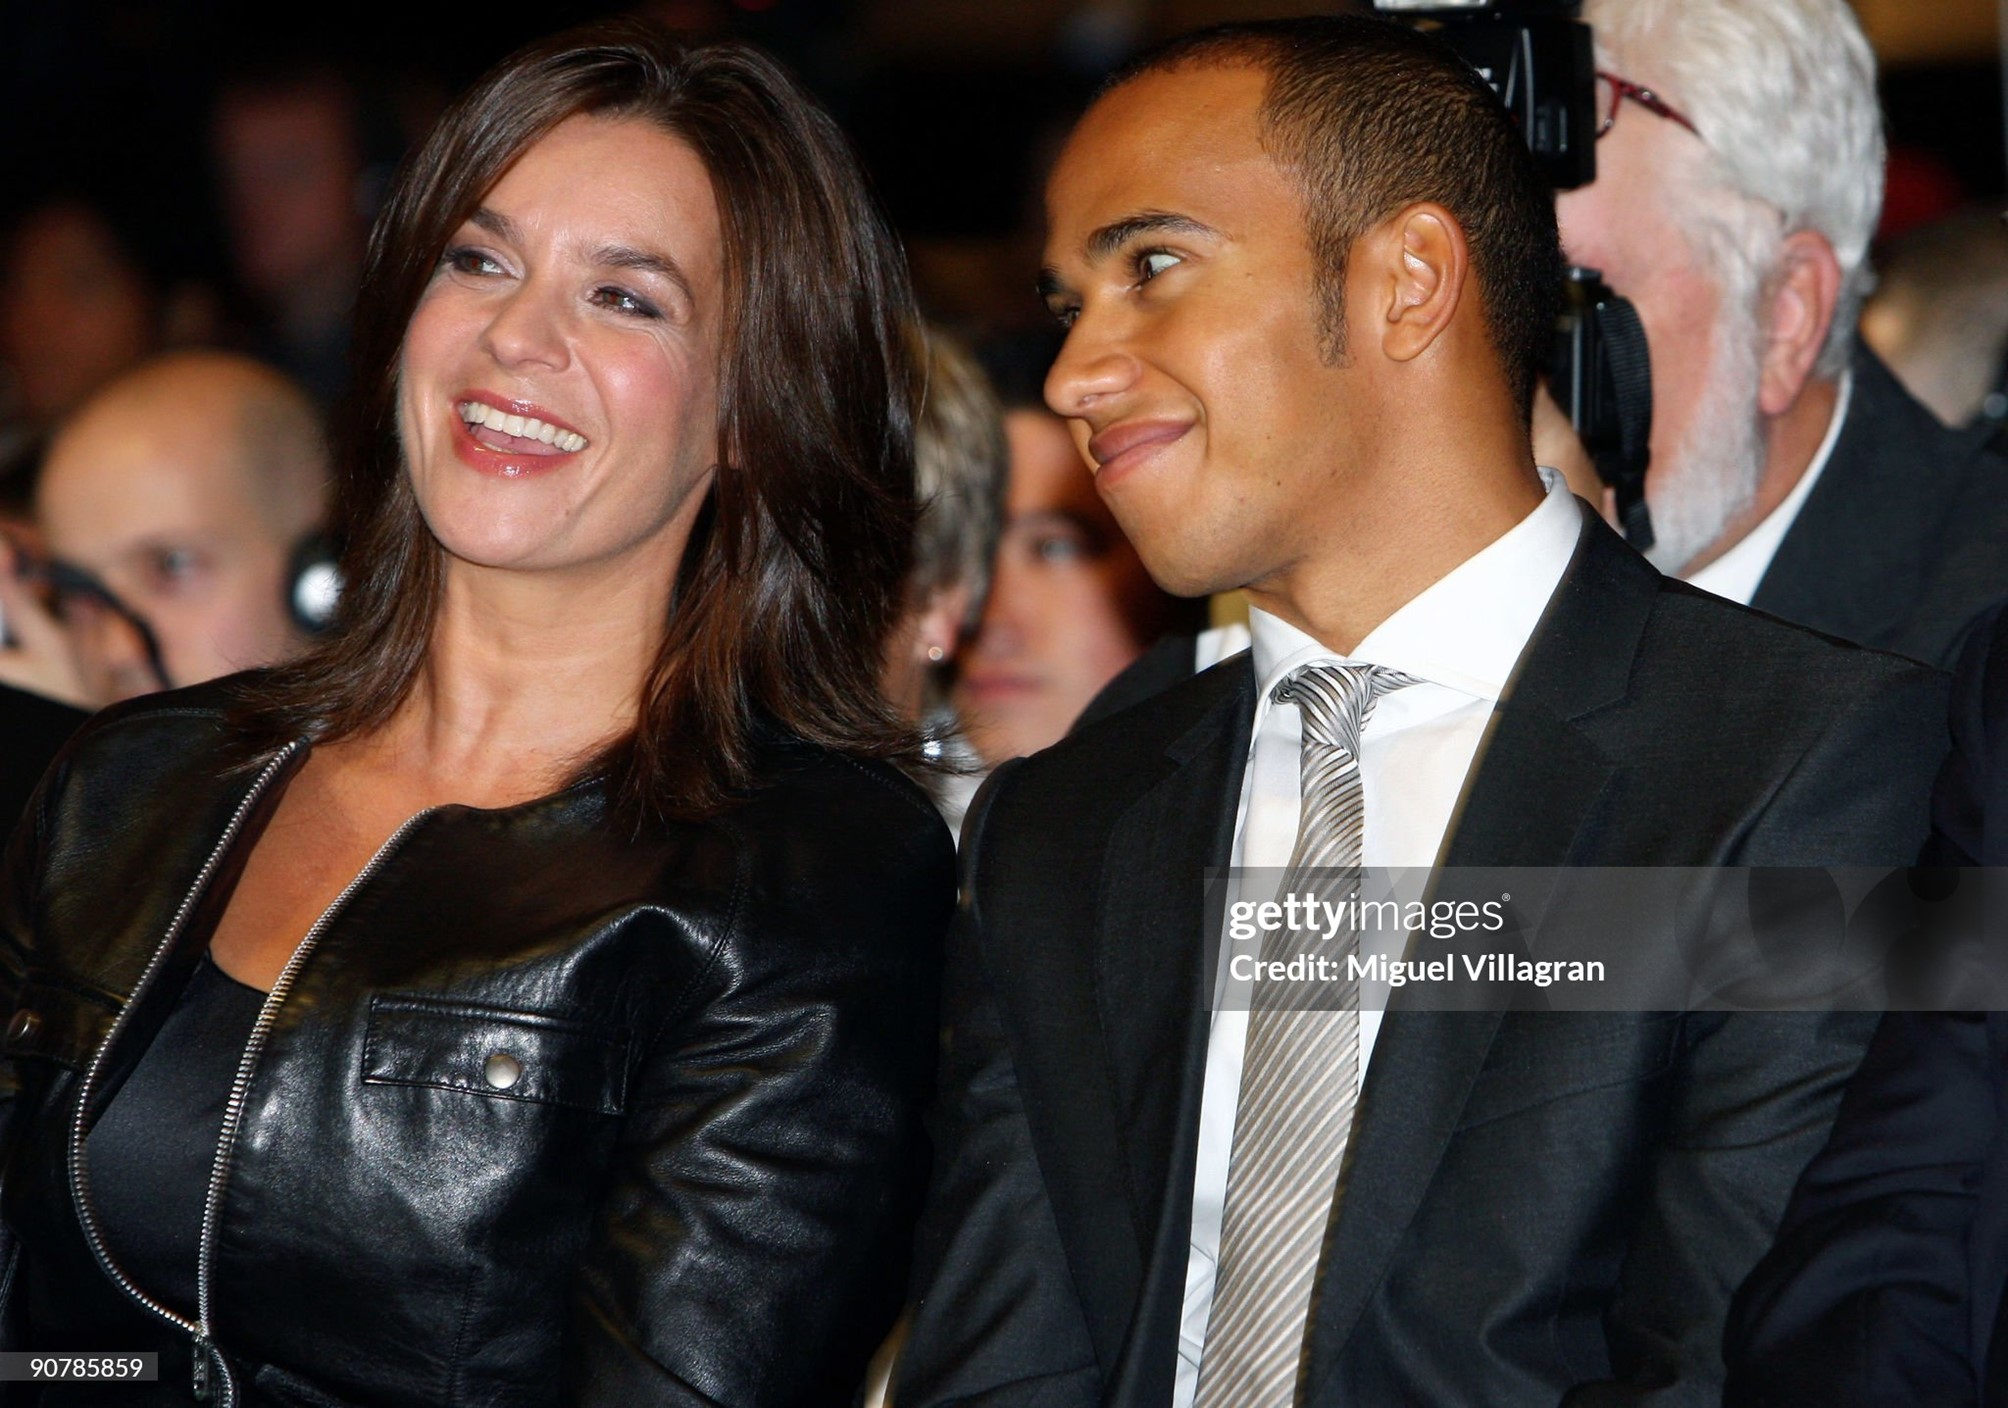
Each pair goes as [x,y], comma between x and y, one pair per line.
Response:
[1337,700]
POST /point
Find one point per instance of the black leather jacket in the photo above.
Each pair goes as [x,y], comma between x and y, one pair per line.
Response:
[689,1182]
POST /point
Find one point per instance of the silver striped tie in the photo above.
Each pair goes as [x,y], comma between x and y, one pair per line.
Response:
[1299,1079]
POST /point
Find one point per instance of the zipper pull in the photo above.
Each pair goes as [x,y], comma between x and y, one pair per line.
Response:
[202,1389]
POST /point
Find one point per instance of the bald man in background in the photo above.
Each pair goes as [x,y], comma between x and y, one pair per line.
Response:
[184,488]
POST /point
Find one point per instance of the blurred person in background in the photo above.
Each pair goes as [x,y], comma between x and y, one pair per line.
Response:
[290,165]
[1740,173]
[1939,316]
[175,503]
[1070,603]
[960,463]
[78,305]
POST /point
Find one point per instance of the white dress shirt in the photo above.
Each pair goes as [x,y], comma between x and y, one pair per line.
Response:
[1461,638]
[1737,572]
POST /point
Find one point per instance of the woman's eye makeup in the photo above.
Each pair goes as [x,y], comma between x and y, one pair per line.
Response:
[620,300]
[462,260]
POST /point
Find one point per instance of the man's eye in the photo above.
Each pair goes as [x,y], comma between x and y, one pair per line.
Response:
[621,301]
[1152,262]
[469,261]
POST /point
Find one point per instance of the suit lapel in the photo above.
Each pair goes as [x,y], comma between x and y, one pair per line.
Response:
[1535,789]
[1854,561]
[1150,966]
[1150,935]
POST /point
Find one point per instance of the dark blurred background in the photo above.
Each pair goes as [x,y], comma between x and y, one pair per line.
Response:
[226,150]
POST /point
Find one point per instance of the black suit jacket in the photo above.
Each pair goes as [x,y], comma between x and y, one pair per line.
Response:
[1537,1202]
[32,730]
[1886,1285]
[1904,541]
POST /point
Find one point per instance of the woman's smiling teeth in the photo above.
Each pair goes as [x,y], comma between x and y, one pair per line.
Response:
[478,413]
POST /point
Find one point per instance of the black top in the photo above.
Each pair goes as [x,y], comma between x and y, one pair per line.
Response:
[152,1150]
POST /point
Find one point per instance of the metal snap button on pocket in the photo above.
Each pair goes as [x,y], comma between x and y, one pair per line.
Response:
[502,1070]
[24,1025]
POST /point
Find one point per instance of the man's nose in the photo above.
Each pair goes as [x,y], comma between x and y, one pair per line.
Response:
[1090,372]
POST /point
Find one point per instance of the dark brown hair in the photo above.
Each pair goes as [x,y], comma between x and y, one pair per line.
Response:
[1369,116]
[796,567]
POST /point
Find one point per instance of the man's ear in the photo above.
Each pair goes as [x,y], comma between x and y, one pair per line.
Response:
[1419,263]
[1798,313]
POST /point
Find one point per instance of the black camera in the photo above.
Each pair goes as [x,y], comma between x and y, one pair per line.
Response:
[1539,57]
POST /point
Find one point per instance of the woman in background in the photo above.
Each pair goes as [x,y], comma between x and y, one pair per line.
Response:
[528,996]
[960,462]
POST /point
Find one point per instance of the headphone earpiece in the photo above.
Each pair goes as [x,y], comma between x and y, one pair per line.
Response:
[314,583]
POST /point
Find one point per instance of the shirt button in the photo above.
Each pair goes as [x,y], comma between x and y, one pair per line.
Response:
[502,1070]
[24,1025]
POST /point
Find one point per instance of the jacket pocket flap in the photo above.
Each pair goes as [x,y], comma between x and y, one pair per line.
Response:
[494,1052]
[56,1023]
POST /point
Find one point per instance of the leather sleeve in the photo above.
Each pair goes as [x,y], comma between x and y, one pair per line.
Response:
[752,1243]
[20,879]
[996,1322]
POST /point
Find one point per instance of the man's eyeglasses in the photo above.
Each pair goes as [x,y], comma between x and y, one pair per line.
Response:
[1612,92]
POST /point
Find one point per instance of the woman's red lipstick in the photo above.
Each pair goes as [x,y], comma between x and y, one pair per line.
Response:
[511,438]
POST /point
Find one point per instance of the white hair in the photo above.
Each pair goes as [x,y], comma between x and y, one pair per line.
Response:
[1784,95]
[1721,453]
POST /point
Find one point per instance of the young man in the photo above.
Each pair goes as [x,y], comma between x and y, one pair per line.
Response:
[1307,269]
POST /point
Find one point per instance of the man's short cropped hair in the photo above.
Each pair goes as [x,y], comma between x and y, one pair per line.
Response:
[1368,117]
[1784,94]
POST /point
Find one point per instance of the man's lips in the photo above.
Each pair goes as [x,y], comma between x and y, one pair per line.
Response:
[1120,446]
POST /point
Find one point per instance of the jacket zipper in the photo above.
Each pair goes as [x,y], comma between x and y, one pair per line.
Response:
[233,1115]
[80,1195]
[212,1377]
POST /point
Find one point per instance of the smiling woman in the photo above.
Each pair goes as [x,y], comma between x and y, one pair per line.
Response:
[526,997]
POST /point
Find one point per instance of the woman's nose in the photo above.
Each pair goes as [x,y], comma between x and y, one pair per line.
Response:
[528,329]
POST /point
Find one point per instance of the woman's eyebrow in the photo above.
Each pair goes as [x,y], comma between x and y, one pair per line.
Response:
[620,256]
[611,256]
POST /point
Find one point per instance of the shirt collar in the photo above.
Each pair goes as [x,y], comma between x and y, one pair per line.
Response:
[1736,573]
[1465,631]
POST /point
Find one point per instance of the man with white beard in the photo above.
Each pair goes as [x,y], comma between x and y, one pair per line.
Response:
[1740,175]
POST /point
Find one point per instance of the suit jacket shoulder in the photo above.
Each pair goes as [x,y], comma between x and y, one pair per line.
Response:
[1904,540]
